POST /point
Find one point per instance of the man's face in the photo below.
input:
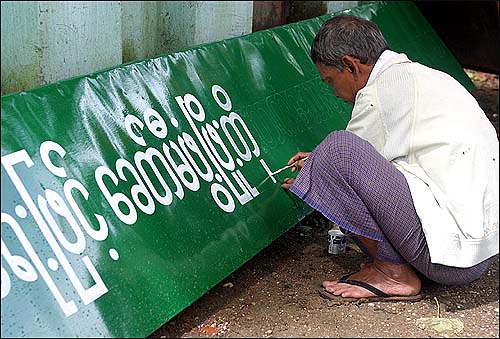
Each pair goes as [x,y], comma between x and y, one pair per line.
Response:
[342,82]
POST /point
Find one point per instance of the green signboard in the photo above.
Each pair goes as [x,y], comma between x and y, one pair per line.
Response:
[127,194]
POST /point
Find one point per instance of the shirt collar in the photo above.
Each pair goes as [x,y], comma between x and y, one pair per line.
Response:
[384,57]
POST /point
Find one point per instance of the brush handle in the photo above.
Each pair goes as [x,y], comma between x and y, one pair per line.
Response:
[288,166]
[295,163]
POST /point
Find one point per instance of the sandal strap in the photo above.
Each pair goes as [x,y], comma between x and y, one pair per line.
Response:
[367,286]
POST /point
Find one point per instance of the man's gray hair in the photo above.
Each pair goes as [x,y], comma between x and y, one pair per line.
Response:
[347,35]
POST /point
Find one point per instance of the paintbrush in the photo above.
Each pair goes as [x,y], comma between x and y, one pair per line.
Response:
[288,166]
[272,174]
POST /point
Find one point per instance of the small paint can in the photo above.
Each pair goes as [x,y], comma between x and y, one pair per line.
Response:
[336,241]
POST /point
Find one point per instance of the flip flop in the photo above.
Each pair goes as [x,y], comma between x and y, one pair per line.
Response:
[379,295]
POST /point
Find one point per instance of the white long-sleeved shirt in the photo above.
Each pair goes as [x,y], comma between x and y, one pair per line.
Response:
[433,130]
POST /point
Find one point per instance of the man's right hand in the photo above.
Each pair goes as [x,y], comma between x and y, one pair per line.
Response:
[297,159]
[297,162]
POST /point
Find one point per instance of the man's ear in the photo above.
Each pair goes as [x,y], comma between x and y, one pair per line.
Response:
[351,64]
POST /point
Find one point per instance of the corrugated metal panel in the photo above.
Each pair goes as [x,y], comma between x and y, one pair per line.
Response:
[78,37]
[47,41]
[21,50]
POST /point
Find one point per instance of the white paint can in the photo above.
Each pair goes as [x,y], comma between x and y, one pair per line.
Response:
[336,241]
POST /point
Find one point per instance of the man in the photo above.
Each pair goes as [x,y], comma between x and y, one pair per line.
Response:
[413,179]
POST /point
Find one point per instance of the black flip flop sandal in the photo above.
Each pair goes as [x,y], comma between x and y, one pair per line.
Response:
[379,295]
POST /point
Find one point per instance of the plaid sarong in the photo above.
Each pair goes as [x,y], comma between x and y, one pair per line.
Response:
[354,186]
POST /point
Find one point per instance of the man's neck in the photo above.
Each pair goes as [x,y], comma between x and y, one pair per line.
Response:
[364,75]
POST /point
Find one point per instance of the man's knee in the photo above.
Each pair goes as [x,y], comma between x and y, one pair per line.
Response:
[343,141]
[340,147]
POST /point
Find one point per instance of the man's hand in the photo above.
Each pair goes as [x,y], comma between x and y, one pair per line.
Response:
[298,162]
[287,183]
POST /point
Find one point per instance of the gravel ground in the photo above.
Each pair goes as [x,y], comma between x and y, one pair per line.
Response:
[275,293]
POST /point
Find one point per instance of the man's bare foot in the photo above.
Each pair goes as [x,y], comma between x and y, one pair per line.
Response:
[390,278]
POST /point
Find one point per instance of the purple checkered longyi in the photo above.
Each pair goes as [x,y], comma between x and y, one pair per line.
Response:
[354,186]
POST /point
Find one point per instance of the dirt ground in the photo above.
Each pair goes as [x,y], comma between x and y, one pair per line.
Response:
[275,293]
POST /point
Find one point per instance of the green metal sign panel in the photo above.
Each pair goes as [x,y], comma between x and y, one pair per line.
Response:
[127,194]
